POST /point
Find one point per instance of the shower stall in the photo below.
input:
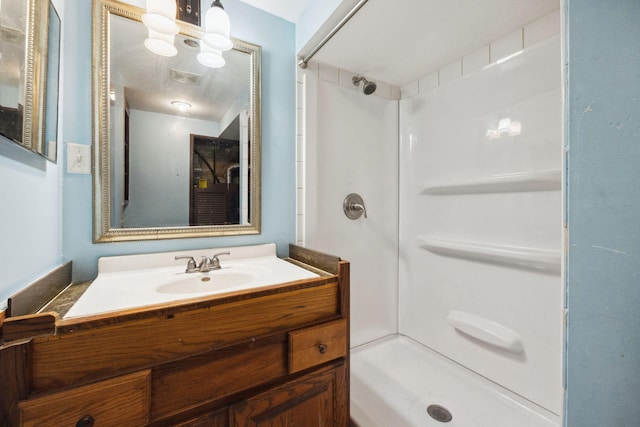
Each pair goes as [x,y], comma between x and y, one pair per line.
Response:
[456,290]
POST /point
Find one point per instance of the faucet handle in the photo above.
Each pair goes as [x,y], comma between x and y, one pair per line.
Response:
[191,264]
[215,262]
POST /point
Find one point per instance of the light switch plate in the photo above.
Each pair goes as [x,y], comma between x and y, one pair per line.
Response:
[78,158]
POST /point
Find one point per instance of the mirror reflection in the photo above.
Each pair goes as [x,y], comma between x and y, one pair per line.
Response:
[13,31]
[179,152]
[29,58]
[48,145]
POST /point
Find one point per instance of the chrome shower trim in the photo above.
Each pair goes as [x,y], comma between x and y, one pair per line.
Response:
[368,88]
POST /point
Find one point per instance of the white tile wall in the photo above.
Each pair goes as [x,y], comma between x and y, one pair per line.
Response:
[383,90]
[395,93]
[507,45]
[539,30]
[410,90]
[450,72]
[476,60]
[299,148]
[346,79]
[300,121]
[542,29]
[329,74]
[428,82]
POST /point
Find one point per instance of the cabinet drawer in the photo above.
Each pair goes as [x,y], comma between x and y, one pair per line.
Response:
[119,401]
[318,344]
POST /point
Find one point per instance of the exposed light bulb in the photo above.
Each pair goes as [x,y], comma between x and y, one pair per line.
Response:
[217,28]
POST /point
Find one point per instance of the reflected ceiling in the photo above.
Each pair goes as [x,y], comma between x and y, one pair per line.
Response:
[153,81]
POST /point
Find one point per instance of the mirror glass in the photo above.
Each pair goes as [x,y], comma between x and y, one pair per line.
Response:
[177,143]
[48,144]
[29,45]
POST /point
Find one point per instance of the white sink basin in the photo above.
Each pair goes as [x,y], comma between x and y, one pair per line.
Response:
[206,283]
[131,281]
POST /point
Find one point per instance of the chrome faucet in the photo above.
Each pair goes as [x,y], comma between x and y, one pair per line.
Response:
[215,262]
[206,264]
[191,264]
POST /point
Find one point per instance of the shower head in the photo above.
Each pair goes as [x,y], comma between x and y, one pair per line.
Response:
[367,88]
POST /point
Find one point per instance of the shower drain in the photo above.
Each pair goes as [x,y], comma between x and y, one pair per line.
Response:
[439,413]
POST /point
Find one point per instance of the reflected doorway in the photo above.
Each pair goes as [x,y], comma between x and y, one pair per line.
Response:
[214,181]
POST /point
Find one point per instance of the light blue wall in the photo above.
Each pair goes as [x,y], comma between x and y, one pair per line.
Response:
[603,279]
[30,214]
[30,237]
[277,38]
[312,19]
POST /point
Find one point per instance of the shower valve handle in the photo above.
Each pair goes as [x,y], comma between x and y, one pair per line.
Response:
[353,206]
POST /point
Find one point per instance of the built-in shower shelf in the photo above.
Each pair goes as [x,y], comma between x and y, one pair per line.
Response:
[548,180]
[513,256]
[486,330]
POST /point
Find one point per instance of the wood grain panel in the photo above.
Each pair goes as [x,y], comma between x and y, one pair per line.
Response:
[76,357]
[312,346]
[183,385]
[216,419]
[14,381]
[307,401]
[22,327]
[119,401]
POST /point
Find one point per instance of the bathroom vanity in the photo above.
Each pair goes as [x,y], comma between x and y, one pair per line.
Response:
[270,355]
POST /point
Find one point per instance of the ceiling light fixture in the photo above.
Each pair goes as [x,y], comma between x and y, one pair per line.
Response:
[181,105]
[217,27]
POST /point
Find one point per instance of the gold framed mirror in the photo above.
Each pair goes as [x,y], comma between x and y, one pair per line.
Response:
[161,171]
[29,70]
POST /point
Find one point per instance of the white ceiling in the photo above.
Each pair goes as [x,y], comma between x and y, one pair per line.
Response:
[401,41]
[287,9]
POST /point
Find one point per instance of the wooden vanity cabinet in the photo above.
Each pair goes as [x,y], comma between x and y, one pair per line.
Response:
[269,357]
[314,399]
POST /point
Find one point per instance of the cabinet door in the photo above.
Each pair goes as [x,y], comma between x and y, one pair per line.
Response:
[315,400]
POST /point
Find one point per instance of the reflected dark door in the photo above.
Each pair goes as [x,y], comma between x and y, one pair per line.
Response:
[214,177]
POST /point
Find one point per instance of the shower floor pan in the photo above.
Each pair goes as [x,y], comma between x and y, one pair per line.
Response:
[395,379]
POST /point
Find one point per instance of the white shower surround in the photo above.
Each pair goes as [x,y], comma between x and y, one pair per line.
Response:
[364,160]
[502,195]
[495,262]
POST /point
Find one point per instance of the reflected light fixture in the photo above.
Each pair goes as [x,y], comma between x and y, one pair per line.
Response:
[506,126]
[160,19]
[160,43]
[210,57]
[161,16]
[181,105]
[217,28]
